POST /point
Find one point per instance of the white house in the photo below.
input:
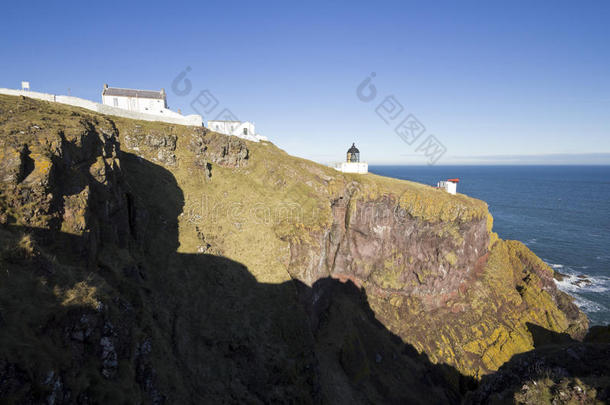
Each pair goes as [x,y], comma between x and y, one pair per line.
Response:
[241,129]
[134,104]
[144,101]
[352,163]
[449,185]
[148,102]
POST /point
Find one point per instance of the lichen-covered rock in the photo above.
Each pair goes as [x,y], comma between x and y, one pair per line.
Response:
[158,146]
[226,151]
[566,373]
[438,284]
[62,175]
[152,263]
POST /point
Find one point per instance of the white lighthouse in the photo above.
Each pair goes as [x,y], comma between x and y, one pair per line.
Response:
[352,163]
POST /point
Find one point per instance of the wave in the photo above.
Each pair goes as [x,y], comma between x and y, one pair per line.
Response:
[576,282]
[571,275]
[588,306]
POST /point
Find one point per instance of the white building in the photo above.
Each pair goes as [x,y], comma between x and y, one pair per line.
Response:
[352,163]
[449,185]
[241,129]
[155,110]
[144,101]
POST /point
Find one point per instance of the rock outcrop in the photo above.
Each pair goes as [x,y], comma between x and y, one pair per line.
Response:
[154,263]
[438,278]
[559,371]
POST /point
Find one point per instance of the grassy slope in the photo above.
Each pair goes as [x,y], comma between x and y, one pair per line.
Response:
[262,196]
[247,214]
[246,210]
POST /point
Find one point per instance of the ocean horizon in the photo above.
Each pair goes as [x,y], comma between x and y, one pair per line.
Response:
[561,212]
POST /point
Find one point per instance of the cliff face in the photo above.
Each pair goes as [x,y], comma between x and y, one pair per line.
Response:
[150,263]
[438,283]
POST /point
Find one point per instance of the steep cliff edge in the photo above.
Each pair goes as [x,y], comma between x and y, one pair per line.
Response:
[150,263]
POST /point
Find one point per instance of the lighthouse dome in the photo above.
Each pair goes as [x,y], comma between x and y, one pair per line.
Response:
[353,154]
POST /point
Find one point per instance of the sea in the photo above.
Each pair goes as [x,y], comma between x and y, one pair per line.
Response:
[562,213]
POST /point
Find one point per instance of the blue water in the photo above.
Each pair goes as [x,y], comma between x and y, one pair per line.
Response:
[562,213]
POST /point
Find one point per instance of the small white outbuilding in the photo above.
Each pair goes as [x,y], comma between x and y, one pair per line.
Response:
[449,185]
[242,129]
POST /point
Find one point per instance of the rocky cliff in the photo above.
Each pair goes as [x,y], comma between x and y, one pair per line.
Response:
[155,263]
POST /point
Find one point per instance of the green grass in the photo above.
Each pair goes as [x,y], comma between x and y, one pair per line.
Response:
[206,315]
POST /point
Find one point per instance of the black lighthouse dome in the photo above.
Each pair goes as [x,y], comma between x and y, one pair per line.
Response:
[353,154]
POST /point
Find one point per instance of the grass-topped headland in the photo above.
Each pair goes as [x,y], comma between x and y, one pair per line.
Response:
[144,262]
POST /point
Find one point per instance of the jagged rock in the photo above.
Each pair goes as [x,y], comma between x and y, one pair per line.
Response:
[146,374]
[226,151]
[108,357]
[159,146]
[546,375]
[57,394]
[15,381]
[280,280]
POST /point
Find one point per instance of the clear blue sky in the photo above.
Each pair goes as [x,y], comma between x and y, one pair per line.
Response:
[492,82]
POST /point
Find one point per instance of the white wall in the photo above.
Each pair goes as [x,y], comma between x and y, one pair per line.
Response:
[244,129]
[352,167]
[448,186]
[164,115]
[143,105]
[223,127]
[232,127]
[77,102]
[32,94]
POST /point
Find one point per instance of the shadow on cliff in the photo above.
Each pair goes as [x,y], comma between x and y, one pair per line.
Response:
[544,337]
[558,370]
[194,328]
[130,319]
[275,342]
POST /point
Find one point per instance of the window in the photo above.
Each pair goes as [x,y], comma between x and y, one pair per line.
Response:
[216,127]
[115,101]
[245,131]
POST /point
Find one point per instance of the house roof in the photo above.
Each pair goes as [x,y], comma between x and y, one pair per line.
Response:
[116,91]
[454,180]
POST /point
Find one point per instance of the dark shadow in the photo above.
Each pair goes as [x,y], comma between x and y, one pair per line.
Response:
[544,337]
[160,326]
[559,370]
[27,164]
[223,335]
